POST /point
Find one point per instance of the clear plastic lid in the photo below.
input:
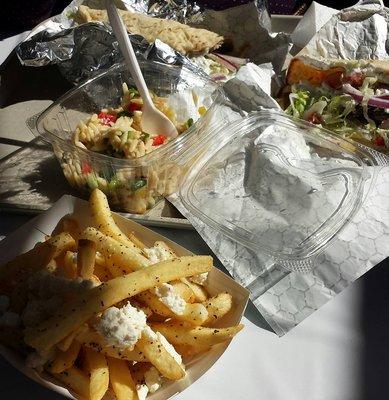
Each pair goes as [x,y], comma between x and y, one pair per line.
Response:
[277,186]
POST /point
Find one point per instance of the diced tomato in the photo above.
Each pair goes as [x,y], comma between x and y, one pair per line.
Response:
[315,118]
[333,77]
[134,107]
[355,79]
[379,141]
[159,139]
[107,119]
[85,168]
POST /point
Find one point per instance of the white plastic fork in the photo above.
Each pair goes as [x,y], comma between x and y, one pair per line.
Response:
[153,121]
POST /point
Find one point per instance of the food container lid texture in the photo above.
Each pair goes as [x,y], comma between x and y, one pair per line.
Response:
[278,186]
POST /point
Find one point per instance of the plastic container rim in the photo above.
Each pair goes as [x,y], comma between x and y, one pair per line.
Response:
[35,123]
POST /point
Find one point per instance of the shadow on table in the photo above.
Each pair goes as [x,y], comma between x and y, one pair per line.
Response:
[375,327]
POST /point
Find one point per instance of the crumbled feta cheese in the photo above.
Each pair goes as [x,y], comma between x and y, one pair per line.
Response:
[157,253]
[33,313]
[36,311]
[153,379]
[200,279]
[142,391]
[172,300]
[10,320]
[4,303]
[169,348]
[122,327]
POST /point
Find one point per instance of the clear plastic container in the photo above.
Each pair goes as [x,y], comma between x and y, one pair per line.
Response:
[132,185]
[278,186]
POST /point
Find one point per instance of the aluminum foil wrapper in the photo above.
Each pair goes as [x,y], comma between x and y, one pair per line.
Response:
[81,51]
[355,33]
[285,298]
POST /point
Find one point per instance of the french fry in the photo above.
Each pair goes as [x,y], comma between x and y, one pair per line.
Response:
[154,351]
[198,291]
[62,243]
[68,225]
[177,333]
[99,373]
[69,267]
[217,307]
[15,271]
[190,351]
[163,245]
[76,379]
[184,291]
[195,314]
[100,260]
[104,221]
[74,313]
[65,359]
[138,371]
[64,344]
[121,380]
[102,272]
[98,343]
[86,258]
[116,253]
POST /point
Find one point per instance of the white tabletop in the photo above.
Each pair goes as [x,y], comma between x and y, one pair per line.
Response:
[339,353]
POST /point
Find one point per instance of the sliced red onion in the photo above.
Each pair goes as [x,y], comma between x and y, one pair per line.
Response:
[222,61]
[357,95]
[236,61]
[218,77]
[385,124]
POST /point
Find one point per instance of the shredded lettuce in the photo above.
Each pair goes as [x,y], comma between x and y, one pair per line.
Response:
[339,111]
[298,103]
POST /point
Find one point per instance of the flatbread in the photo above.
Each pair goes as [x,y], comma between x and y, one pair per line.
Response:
[315,71]
[183,38]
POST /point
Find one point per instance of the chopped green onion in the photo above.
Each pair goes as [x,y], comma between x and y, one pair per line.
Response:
[123,113]
[144,136]
[138,184]
[189,122]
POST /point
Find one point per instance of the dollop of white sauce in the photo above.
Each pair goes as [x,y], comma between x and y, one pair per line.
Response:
[172,300]
[122,327]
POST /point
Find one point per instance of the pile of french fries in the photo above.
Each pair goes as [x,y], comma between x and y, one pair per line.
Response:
[118,271]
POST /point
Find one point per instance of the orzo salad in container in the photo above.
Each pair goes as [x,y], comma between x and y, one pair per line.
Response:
[96,134]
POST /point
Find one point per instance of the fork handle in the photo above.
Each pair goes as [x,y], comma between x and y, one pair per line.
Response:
[128,51]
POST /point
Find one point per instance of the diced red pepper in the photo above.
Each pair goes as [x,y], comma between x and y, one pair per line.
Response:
[134,107]
[85,168]
[107,119]
[159,139]
[315,118]
[379,141]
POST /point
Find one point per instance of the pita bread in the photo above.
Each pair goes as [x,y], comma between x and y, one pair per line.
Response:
[316,71]
[183,38]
